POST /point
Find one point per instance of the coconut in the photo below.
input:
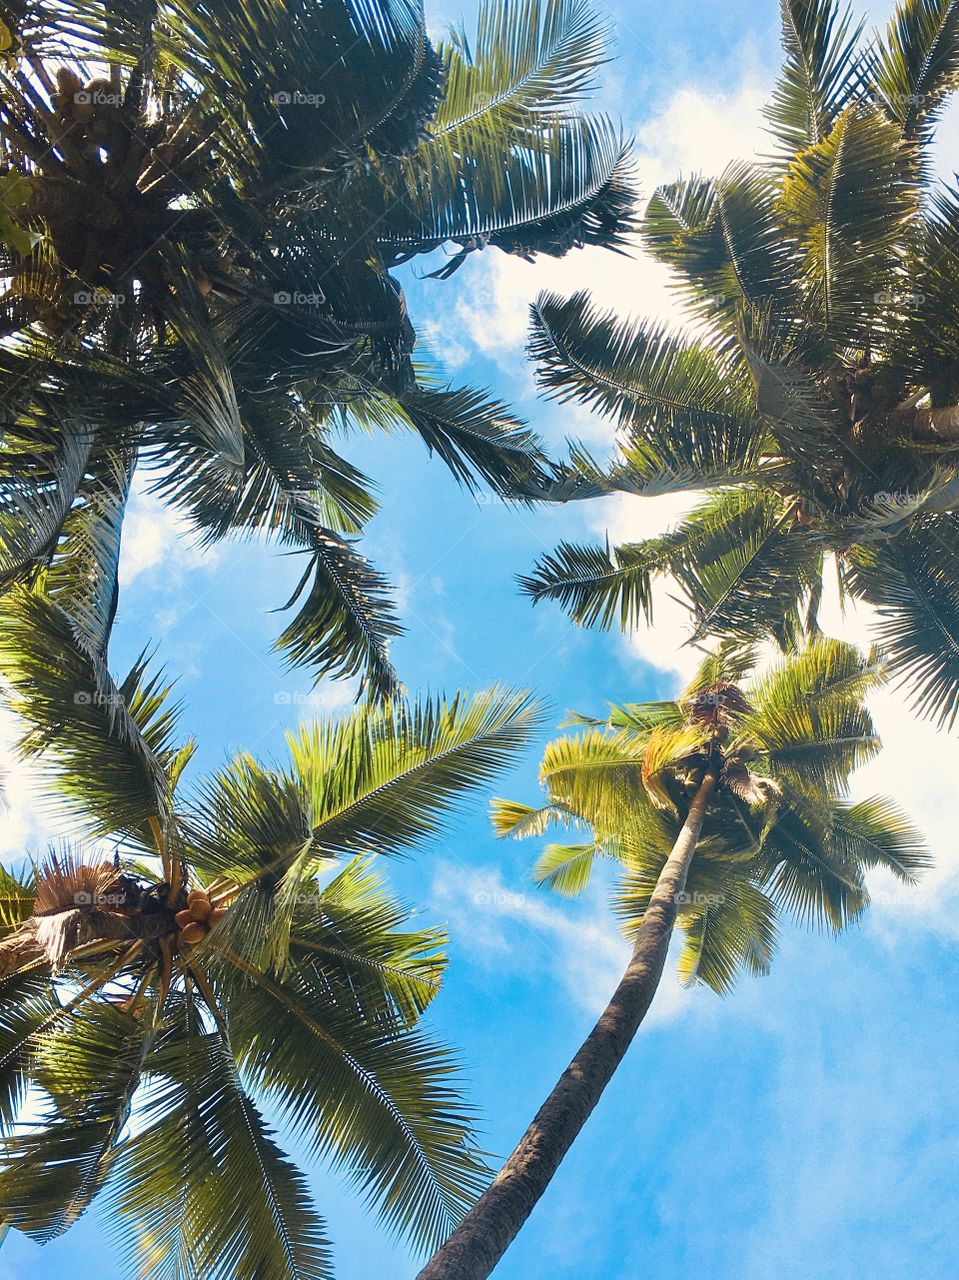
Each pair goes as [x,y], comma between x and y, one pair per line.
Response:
[194,932]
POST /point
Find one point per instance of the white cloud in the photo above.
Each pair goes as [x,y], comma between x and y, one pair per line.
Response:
[20,830]
[299,706]
[917,768]
[626,518]
[156,535]
[694,132]
[522,928]
[700,132]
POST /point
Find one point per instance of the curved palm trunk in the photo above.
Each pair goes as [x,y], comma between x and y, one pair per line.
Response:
[487,1231]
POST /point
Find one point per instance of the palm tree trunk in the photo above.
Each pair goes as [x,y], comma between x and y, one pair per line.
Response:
[487,1231]
[928,424]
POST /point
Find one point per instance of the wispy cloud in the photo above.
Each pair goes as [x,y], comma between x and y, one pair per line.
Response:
[517,928]
[157,536]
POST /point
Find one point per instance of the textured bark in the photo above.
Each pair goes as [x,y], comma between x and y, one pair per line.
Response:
[928,424]
[52,936]
[487,1231]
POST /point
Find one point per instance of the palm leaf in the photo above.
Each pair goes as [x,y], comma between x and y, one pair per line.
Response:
[917,66]
[376,1100]
[819,74]
[912,584]
[110,745]
[878,834]
[528,64]
[175,1183]
[567,869]
[727,932]
[345,620]
[90,1066]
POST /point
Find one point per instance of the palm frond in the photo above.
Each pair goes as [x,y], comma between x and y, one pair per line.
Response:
[575,188]
[510,818]
[354,935]
[108,745]
[810,877]
[378,1102]
[567,868]
[847,200]
[345,620]
[744,566]
[377,781]
[912,584]
[27,1004]
[917,66]
[879,834]
[683,416]
[599,777]
[725,242]
[477,437]
[175,1183]
[90,1067]
[601,584]
[819,74]
[729,930]
[529,63]
[83,578]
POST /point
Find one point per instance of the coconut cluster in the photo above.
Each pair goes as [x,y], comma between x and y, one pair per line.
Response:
[198,917]
[87,106]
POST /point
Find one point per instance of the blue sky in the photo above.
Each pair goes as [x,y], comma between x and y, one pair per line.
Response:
[806,1126]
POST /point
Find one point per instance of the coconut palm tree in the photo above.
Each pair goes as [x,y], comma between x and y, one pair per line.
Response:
[198,969]
[819,402]
[203,212]
[722,811]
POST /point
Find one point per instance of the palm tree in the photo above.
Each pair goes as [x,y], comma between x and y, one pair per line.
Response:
[220,198]
[237,953]
[724,811]
[819,405]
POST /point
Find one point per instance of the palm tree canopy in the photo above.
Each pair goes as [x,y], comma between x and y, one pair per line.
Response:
[237,969]
[780,837]
[202,210]
[820,403]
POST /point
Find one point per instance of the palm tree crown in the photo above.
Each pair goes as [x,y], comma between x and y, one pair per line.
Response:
[237,952]
[779,837]
[821,404]
[202,213]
